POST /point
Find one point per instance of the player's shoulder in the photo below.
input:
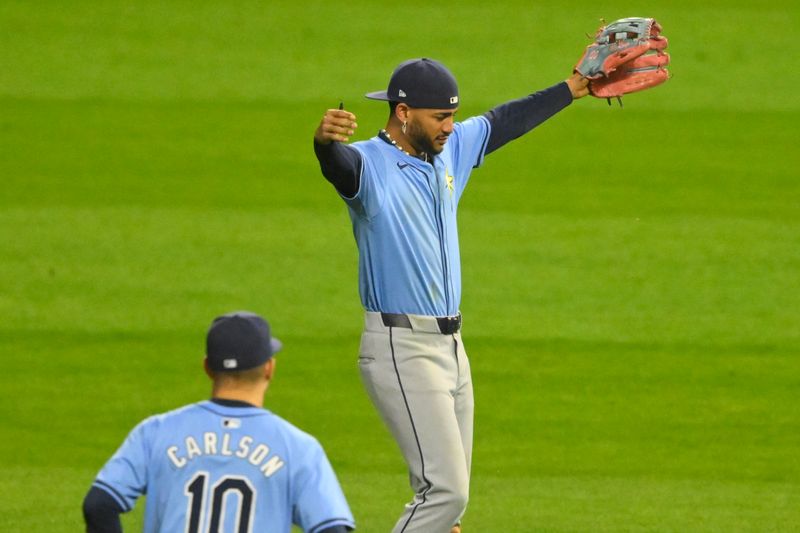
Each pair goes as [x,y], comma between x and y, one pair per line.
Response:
[372,147]
[149,429]
[259,417]
[470,132]
[167,418]
[292,432]
[376,141]
[477,122]
[184,410]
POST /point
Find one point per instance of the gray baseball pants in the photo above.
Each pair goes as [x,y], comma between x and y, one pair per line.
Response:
[419,380]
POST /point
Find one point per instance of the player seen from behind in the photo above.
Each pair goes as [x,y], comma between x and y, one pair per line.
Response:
[225,464]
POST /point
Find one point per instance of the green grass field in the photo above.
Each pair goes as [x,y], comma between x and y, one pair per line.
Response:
[631,276]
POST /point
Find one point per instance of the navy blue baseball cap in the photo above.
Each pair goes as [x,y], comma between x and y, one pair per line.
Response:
[238,341]
[421,83]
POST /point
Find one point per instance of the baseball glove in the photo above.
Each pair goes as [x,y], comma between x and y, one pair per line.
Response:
[626,56]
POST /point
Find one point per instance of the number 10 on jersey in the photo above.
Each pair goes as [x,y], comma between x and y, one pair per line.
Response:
[213,507]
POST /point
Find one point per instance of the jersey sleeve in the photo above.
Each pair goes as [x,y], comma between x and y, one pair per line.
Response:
[517,117]
[124,476]
[367,200]
[341,165]
[318,500]
[469,147]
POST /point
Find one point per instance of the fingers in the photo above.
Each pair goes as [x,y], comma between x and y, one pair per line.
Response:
[582,90]
[337,125]
[578,85]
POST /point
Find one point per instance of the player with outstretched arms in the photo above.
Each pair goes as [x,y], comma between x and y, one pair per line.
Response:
[402,188]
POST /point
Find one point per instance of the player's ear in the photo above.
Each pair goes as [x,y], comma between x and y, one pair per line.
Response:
[269,369]
[401,112]
[209,372]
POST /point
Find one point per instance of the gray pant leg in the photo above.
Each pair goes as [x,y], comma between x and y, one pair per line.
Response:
[465,402]
[420,384]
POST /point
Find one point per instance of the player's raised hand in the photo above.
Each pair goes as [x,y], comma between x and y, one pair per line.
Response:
[578,85]
[337,125]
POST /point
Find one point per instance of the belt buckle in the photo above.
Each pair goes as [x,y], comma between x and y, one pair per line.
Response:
[452,324]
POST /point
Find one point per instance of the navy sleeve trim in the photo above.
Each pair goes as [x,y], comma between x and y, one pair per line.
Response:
[333,525]
[101,512]
[120,499]
[341,165]
[335,529]
[517,117]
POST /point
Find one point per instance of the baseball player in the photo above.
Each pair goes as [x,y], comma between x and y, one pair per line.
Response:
[402,188]
[225,464]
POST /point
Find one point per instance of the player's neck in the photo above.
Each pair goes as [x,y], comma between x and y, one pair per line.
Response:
[251,396]
[395,135]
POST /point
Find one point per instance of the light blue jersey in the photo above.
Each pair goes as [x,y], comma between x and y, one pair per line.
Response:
[404,222]
[208,467]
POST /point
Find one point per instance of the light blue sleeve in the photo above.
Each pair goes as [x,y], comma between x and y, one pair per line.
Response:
[469,141]
[124,476]
[318,500]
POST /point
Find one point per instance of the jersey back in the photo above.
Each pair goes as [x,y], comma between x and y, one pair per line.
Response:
[210,467]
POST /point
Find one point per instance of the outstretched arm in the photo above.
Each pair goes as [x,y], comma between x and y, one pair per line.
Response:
[340,164]
[517,117]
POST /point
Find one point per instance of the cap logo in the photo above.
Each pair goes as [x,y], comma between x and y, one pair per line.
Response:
[230,363]
[454,99]
[401,93]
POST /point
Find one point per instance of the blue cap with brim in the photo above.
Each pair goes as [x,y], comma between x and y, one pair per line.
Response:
[238,341]
[422,83]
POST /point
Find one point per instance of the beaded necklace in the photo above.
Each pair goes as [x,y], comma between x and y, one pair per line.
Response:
[388,138]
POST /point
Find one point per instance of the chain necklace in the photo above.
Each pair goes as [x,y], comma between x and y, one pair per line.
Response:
[385,134]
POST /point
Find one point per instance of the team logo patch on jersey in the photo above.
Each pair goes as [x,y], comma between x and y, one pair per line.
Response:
[449,179]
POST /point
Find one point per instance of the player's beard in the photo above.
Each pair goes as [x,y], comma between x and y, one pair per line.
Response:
[420,140]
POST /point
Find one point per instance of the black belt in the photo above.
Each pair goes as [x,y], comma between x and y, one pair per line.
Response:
[447,324]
